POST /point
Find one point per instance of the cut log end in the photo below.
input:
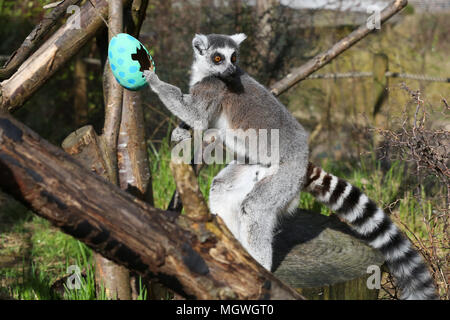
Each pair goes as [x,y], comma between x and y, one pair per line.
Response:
[77,140]
[320,257]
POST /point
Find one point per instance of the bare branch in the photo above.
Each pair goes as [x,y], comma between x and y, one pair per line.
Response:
[301,73]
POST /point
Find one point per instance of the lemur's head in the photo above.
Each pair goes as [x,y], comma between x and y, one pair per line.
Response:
[216,55]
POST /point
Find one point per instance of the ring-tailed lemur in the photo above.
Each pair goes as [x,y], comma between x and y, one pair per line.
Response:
[250,198]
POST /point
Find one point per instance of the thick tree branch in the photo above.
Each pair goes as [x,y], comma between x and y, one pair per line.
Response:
[113,93]
[138,11]
[35,38]
[133,164]
[134,174]
[298,74]
[188,188]
[114,278]
[197,260]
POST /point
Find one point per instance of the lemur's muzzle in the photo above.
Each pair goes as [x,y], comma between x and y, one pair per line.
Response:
[229,71]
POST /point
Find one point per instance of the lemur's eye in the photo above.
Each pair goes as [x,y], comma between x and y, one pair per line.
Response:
[217,58]
[233,58]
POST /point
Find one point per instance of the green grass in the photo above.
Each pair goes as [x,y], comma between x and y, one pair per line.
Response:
[50,254]
[46,253]
[163,182]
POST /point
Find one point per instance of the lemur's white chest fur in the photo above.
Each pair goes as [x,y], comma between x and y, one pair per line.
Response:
[198,73]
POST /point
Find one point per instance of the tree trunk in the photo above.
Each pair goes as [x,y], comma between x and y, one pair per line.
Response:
[265,11]
[133,164]
[113,95]
[115,279]
[109,276]
[134,172]
[80,99]
[197,260]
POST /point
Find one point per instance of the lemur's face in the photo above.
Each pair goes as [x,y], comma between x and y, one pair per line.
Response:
[217,55]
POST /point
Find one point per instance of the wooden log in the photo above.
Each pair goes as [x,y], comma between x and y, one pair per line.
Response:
[322,258]
[197,260]
[84,145]
[52,55]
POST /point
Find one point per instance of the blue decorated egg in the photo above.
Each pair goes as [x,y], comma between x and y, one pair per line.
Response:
[128,59]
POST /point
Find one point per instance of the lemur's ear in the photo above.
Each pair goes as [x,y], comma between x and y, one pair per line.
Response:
[238,38]
[200,43]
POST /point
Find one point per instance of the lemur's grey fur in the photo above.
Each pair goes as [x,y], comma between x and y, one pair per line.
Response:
[250,197]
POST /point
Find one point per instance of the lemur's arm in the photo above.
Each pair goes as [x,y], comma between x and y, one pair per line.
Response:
[181,105]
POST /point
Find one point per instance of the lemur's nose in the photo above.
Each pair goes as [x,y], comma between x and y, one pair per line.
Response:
[229,71]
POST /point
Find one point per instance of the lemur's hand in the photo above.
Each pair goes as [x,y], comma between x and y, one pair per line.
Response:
[150,75]
[152,79]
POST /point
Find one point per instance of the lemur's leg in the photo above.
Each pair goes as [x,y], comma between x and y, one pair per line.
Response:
[271,196]
[181,105]
[228,190]
[221,200]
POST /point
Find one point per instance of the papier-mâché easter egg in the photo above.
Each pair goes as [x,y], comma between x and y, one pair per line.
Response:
[128,59]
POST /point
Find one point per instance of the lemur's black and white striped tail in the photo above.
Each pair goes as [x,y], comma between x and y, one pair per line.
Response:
[375,227]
